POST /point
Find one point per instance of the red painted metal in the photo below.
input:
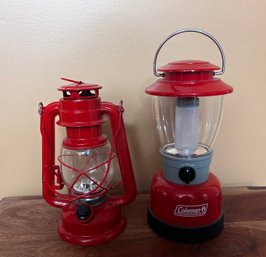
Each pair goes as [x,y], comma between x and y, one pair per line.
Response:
[82,119]
[81,112]
[106,223]
[166,197]
[122,151]
[189,79]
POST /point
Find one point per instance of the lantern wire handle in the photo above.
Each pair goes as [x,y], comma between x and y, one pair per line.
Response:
[219,72]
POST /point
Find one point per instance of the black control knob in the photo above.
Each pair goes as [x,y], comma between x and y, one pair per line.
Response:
[83,212]
[187,174]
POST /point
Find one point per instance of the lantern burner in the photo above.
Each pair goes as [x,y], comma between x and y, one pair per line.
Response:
[201,150]
[92,201]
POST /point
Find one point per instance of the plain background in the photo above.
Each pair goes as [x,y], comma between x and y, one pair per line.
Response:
[112,43]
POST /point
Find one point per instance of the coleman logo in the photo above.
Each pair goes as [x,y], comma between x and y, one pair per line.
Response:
[191,210]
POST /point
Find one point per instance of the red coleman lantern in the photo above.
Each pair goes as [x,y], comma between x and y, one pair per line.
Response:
[90,215]
[186,199]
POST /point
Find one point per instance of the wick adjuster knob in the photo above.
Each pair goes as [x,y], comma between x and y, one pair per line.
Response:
[187,174]
[83,212]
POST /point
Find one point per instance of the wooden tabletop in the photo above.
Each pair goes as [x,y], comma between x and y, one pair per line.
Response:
[28,227]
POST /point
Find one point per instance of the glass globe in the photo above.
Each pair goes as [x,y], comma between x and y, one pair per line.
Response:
[92,161]
[187,126]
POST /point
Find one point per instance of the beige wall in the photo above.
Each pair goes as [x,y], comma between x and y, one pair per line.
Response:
[112,43]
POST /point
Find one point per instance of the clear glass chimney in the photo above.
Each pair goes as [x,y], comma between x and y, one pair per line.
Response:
[92,161]
[187,126]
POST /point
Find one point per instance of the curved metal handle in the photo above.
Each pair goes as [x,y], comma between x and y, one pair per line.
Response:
[123,155]
[219,72]
[48,115]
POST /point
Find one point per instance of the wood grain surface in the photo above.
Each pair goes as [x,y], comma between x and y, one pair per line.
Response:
[28,227]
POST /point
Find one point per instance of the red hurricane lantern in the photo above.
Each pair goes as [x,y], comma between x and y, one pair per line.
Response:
[90,215]
[186,199]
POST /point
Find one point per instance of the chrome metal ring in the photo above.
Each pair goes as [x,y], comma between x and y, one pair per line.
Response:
[219,72]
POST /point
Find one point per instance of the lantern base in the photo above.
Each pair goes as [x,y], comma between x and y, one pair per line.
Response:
[105,223]
[186,213]
[185,235]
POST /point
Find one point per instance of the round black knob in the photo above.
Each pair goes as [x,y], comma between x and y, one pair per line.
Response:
[187,174]
[83,212]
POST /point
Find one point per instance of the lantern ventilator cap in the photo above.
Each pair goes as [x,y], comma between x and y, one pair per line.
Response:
[192,78]
[78,86]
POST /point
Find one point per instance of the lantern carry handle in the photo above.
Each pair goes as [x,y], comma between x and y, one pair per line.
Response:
[47,127]
[219,72]
[122,151]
